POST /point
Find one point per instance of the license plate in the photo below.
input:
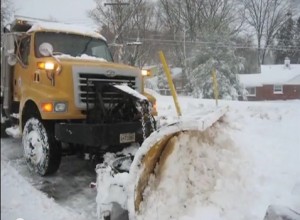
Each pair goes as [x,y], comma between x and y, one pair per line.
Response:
[127,138]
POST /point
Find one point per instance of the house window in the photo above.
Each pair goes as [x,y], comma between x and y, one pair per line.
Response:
[277,89]
[251,91]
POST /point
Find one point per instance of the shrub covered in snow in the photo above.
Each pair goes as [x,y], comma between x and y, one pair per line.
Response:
[220,56]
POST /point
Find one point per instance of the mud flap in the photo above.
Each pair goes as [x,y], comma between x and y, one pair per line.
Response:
[275,212]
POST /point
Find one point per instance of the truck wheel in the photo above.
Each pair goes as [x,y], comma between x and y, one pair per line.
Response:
[41,151]
[4,124]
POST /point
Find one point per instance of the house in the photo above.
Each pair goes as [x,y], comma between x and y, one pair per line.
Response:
[179,79]
[275,82]
[162,87]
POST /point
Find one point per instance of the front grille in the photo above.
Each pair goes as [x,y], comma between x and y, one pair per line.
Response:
[86,87]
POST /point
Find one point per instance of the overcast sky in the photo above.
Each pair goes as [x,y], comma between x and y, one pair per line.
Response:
[73,11]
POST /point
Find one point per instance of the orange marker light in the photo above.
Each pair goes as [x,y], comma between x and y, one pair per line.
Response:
[41,65]
[47,107]
[46,65]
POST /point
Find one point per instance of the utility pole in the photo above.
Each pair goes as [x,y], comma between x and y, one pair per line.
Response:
[121,29]
[184,50]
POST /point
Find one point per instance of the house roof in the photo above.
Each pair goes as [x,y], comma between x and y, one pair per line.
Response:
[176,72]
[294,81]
[272,74]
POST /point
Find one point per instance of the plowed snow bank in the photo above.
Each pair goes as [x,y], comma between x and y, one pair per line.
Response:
[252,163]
[203,171]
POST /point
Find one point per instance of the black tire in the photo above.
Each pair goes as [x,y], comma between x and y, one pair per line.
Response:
[41,151]
[4,124]
[3,127]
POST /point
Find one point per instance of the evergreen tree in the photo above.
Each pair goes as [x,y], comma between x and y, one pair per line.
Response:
[161,82]
[297,41]
[219,55]
[286,42]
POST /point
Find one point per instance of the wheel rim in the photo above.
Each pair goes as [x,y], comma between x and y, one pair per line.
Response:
[36,146]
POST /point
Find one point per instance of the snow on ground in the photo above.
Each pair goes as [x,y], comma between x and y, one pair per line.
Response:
[19,199]
[65,195]
[256,153]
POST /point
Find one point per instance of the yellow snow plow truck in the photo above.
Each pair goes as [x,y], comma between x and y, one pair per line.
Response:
[60,86]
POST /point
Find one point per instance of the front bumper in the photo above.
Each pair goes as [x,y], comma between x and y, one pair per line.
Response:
[99,135]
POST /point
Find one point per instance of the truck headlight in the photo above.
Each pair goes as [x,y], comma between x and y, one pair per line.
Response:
[54,106]
[146,72]
[50,66]
[60,106]
[46,65]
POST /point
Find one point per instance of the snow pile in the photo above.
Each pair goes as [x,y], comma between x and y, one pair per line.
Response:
[110,188]
[19,199]
[203,172]
[234,170]
[250,164]
[281,213]
[125,88]
[14,131]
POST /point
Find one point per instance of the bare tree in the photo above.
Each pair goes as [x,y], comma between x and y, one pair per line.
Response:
[7,10]
[266,17]
[125,25]
[201,16]
[188,21]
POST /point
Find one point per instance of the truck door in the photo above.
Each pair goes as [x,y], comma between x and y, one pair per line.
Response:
[22,75]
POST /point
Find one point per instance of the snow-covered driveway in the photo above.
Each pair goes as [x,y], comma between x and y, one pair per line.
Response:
[65,195]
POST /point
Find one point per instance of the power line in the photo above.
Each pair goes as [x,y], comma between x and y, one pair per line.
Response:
[203,44]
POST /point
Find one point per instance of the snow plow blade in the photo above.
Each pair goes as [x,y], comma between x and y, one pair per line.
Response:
[152,155]
[275,212]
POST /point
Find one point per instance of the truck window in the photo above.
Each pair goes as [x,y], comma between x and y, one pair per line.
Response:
[24,49]
[73,45]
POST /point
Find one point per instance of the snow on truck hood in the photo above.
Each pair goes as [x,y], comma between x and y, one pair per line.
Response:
[87,60]
[66,28]
[82,57]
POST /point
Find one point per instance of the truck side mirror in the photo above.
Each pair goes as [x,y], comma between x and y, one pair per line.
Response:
[8,44]
[46,49]
[5,30]
[12,59]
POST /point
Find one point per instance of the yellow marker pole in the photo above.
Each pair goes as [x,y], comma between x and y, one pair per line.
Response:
[170,81]
[215,85]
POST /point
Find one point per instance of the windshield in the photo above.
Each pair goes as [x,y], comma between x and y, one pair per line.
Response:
[73,45]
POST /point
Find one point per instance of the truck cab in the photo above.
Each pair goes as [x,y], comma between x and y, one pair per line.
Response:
[61,84]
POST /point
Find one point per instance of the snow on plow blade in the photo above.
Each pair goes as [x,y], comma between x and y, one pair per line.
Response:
[152,155]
